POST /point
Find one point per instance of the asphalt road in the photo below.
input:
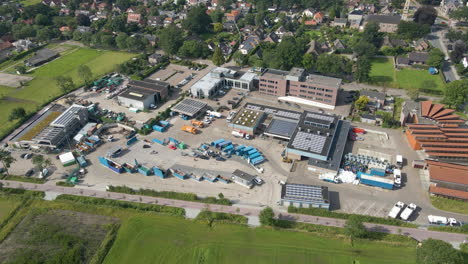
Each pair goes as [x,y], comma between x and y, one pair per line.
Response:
[436,39]
[418,234]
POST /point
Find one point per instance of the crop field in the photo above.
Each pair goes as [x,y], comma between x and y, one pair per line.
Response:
[161,239]
[43,87]
[383,73]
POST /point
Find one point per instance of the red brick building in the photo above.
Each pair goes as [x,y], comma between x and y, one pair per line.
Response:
[448,179]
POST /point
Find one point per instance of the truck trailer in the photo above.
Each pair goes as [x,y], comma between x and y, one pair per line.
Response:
[189,129]
[375,181]
[395,211]
[441,220]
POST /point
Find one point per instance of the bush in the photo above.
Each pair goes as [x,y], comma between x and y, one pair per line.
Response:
[23,192]
[169,195]
[221,218]
[64,184]
[105,245]
[267,217]
[363,218]
[122,204]
[23,179]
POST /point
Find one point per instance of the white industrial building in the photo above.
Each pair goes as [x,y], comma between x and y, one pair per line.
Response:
[219,78]
[142,94]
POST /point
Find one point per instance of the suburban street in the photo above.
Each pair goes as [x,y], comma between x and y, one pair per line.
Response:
[52,191]
[436,39]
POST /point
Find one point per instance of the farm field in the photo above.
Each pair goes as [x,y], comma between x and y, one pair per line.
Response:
[383,73]
[43,87]
[161,239]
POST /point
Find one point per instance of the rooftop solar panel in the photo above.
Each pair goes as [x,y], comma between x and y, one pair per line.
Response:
[306,193]
[309,142]
[321,117]
[282,127]
[189,107]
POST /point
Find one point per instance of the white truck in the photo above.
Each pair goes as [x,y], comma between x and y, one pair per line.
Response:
[397,176]
[240,134]
[231,115]
[409,210]
[215,114]
[441,220]
[396,210]
[399,161]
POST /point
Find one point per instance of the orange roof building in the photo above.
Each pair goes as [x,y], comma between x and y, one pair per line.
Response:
[437,131]
[448,179]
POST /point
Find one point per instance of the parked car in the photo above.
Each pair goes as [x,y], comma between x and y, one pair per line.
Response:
[258,181]
[220,158]
[28,156]
[146,146]
[29,173]
[204,157]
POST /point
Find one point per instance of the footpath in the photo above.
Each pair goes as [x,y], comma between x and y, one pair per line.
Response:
[416,233]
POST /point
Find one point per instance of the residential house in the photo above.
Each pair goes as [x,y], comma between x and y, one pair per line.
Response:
[168,21]
[133,17]
[82,12]
[155,21]
[314,48]
[448,6]
[310,22]
[418,57]
[393,43]
[226,49]
[272,38]
[4,45]
[155,58]
[376,99]
[318,17]
[229,26]
[102,6]
[421,45]
[233,15]
[41,56]
[338,44]
[280,31]
[23,44]
[249,44]
[152,39]
[308,13]
[387,24]
[84,29]
[55,3]
[64,29]
[339,22]
[64,11]
[385,10]
[402,62]
[356,14]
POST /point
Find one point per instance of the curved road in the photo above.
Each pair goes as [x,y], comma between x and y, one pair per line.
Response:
[418,234]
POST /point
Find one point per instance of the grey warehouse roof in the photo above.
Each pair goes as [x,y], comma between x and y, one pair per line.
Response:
[324,80]
[69,115]
[276,112]
[243,175]
[305,193]
[281,128]
[189,107]
[140,90]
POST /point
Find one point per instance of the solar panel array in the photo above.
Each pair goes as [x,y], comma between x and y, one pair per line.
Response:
[305,193]
[274,111]
[321,117]
[282,127]
[309,142]
[70,114]
[189,107]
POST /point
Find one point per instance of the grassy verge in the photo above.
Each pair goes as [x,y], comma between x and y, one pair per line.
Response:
[450,205]
[170,195]
[22,179]
[451,229]
[397,108]
[64,184]
[122,204]
[364,218]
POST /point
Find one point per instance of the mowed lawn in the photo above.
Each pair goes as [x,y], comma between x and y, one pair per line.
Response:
[43,87]
[383,74]
[161,239]
[6,207]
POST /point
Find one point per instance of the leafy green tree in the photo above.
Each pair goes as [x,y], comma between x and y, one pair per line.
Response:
[45,34]
[460,14]
[362,69]
[197,21]
[17,113]
[121,40]
[65,83]
[6,159]
[333,64]
[85,74]
[266,217]
[83,20]
[135,43]
[435,251]
[38,161]
[411,30]
[171,39]
[218,27]
[354,227]
[365,49]
[194,49]
[371,33]
[456,93]
[217,16]
[218,57]
[425,15]
[436,58]
[239,58]
[361,102]
[42,20]
[308,61]
[21,69]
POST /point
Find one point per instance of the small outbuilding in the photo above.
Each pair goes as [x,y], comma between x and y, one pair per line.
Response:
[303,195]
[243,178]
[67,159]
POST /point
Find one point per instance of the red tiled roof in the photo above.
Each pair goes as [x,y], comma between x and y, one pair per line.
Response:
[442,149]
[447,155]
[449,172]
[454,144]
[443,112]
[435,109]
[425,108]
[447,117]
[448,192]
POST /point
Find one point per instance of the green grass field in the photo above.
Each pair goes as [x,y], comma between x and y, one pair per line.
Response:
[6,207]
[161,239]
[450,205]
[30,2]
[382,73]
[43,88]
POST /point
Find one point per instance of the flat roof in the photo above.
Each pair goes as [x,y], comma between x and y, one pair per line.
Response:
[140,90]
[281,128]
[273,73]
[305,193]
[276,112]
[243,175]
[247,118]
[70,114]
[189,107]
[324,80]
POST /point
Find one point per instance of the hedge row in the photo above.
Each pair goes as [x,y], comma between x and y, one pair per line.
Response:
[23,179]
[169,195]
[122,204]
[363,218]
[106,244]
[221,217]
[64,184]
[451,229]
[23,192]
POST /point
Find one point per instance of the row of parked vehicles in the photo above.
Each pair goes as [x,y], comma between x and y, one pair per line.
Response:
[399,211]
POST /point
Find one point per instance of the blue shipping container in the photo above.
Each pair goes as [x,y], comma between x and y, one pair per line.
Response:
[215,143]
[224,143]
[158,141]
[377,172]
[173,140]
[131,141]
[375,181]
[255,155]
[257,160]
[158,172]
